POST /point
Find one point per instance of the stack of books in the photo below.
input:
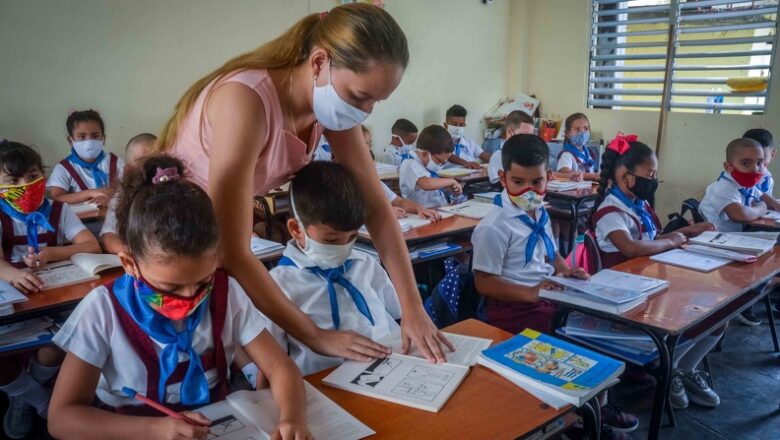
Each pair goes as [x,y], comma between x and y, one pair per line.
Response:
[263,248]
[712,250]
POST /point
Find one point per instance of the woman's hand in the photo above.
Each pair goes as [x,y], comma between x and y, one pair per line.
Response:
[417,328]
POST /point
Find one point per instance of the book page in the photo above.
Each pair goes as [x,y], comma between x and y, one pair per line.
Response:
[723,254]
[689,260]
[63,273]
[457,171]
[326,420]
[467,348]
[261,246]
[622,280]
[602,291]
[227,423]
[95,263]
[9,294]
[732,241]
[470,208]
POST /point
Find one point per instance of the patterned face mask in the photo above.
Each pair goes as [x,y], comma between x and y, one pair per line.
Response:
[170,305]
[25,198]
[528,199]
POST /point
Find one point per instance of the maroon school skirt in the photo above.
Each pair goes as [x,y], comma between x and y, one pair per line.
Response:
[515,317]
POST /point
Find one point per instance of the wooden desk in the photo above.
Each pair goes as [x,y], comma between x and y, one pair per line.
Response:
[485,406]
[762,224]
[574,200]
[694,304]
[447,227]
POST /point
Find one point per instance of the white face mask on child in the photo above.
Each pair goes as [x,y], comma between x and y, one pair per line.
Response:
[325,256]
[455,131]
[88,149]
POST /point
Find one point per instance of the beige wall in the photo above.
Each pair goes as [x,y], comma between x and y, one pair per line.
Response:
[693,148]
[132,60]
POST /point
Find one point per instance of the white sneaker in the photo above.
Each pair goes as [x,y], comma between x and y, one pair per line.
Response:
[699,390]
[677,395]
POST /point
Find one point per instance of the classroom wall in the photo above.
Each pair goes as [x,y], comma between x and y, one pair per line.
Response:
[693,146]
[132,60]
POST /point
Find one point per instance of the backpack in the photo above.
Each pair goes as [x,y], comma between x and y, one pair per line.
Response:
[455,297]
[678,220]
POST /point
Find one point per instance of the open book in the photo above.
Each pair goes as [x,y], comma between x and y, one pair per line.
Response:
[457,172]
[84,208]
[567,185]
[79,268]
[467,348]
[10,295]
[741,243]
[486,197]
[263,248]
[253,415]
[408,223]
[471,208]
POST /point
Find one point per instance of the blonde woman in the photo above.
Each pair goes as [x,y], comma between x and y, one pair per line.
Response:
[251,124]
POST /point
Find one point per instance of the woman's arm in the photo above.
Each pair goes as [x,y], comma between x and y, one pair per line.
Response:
[349,146]
[238,119]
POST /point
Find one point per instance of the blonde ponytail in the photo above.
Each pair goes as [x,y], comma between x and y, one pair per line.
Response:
[355,35]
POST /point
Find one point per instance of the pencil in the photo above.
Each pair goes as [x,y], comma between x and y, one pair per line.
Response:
[159,407]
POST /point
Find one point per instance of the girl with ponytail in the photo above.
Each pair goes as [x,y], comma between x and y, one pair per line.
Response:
[251,124]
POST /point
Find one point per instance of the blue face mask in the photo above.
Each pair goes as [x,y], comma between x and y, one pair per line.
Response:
[580,139]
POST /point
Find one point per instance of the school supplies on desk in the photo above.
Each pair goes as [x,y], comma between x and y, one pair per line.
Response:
[567,185]
[744,244]
[262,247]
[486,197]
[689,260]
[457,172]
[408,223]
[10,295]
[401,379]
[84,208]
[467,348]
[553,370]
[472,209]
[79,268]
[26,334]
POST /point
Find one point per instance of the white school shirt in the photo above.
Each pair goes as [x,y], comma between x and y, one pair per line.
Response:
[109,223]
[499,246]
[391,155]
[469,150]
[61,178]
[320,153]
[720,194]
[568,160]
[309,292]
[771,188]
[495,165]
[70,226]
[617,221]
[389,194]
[94,334]
[411,171]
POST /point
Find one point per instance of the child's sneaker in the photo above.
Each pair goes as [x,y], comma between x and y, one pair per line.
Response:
[19,419]
[699,391]
[621,421]
[677,395]
[610,433]
[748,318]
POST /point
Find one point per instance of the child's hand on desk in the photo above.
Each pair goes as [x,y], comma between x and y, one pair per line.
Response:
[39,260]
[575,272]
[399,212]
[430,214]
[547,285]
[473,165]
[578,176]
[100,197]
[349,345]
[678,239]
[697,228]
[169,428]
[456,188]
[292,430]
[27,282]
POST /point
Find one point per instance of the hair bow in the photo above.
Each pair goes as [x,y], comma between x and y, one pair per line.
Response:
[166,175]
[621,143]
[323,14]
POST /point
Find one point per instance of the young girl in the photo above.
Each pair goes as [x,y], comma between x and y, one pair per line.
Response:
[627,227]
[168,328]
[87,173]
[575,162]
[34,232]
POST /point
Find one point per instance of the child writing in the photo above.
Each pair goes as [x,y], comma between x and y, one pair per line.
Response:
[764,137]
[734,199]
[403,137]
[168,328]
[419,178]
[337,287]
[136,149]
[34,232]
[87,173]
[575,161]
[627,227]
[467,152]
[517,122]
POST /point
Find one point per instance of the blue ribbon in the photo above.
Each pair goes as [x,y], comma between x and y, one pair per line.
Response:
[537,231]
[639,207]
[337,276]
[747,193]
[764,185]
[32,221]
[195,387]
[583,156]
[101,178]
[325,147]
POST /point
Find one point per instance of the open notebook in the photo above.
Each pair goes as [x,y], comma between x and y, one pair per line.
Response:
[79,268]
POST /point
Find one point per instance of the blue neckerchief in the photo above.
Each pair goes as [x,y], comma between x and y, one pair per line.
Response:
[101,178]
[337,276]
[195,386]
[537,231]
[458,147]
[747,193]
[639,207]
[436,176]
[764,185]
[583,156]
[39,217]
[325,147]
[405,156]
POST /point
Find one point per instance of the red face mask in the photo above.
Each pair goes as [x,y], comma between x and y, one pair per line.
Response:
[25,198]
[171,305]
[746,180]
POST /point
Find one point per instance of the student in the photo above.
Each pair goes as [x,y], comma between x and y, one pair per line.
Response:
[467,152]
[27,220]
[626,226]
[338,287]
[173,304]
[575,161]
[87,173]
[629,169]
[137,147]
[734,199]
[517,122]
[419,178]
[764,137]
[403,137]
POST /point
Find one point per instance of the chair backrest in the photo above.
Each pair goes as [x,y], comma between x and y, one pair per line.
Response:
[692,205]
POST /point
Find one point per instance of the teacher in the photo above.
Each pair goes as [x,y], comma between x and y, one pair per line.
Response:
[250,125]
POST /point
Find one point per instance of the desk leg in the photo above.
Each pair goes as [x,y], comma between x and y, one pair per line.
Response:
[591,418]
[573,206]
[771,318]
[666,352]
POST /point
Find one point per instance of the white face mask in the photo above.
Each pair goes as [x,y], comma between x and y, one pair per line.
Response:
[405,148]
[455,131]
[333,112]
[88,149]
[432,165]
[325,256]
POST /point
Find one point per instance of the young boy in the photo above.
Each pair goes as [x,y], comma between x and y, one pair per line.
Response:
[733,199]
[136,149]
[87,173]
[320,259]
[517,122]
[404,135]
[419,178]
[764,137]
[466,150]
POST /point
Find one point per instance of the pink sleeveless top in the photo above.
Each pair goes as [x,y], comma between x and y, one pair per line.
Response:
[284,154]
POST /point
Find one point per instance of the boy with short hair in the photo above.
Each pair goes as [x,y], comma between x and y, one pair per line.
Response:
[517,122]
[467,152]
[734,199]
[403,137]
[765,138]
[419,178]
[335,285]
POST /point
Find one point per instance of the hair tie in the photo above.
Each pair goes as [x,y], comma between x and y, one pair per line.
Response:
[164,175]
[323,14]
[621,143]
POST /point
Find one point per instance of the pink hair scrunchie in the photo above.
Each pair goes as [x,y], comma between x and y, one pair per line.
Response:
[164,175]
